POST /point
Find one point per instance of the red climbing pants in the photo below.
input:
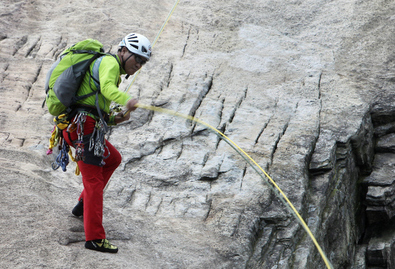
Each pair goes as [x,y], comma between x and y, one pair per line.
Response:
[94,179]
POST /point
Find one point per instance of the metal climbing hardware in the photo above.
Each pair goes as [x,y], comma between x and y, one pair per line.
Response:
[62,160]
[97,141]
[61,123]
[72,127]
[79,151]
[78,126]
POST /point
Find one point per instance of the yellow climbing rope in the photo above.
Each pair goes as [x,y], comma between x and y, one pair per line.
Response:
[249,160]
[279,193]
[156,39]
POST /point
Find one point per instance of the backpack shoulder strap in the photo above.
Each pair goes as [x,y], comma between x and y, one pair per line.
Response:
[95,72]
[95,69]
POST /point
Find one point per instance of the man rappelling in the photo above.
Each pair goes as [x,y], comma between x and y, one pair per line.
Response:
[87,120]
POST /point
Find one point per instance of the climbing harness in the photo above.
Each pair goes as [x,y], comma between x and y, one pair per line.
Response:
[95,141]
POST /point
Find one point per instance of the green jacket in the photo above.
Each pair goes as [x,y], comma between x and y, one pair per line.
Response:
[110,72]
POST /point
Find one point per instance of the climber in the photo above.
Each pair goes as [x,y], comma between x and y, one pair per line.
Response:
[97,158]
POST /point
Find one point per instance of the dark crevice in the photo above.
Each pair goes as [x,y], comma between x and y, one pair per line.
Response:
[129,198]
[277,142]
[180,152]
[203,93]
[261,132]
[373,230]
[237,105]
[167,142]
[148,201]
[242,177]
[222,127]
[219,138]
[209,179]
[205,158]
[222,100]
[20,44]
[202,132]
[28,88]
[150,117]
[170,76]
[280,135]
[264,232]
[159,205]
[131,161]
[375,214]
[319,86]
[37,73]
[210,204]
[4,74]
[318,130]
[60,46]
[32,51]
[186,42]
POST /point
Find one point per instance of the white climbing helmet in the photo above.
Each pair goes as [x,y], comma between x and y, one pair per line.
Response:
[137,44]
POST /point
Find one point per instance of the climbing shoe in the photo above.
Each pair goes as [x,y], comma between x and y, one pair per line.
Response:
[78,210]
[101,245]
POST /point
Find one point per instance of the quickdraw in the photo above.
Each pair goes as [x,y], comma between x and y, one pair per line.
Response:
[78,126]
[62,160]
[97,141]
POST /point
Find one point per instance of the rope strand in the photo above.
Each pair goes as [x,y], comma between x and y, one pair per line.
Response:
[156,39]
[279,193]
[262,173]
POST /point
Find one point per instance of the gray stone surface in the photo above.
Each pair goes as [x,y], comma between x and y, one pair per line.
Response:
[304,87]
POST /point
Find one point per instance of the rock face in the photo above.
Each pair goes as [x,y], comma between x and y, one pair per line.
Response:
[304,87]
